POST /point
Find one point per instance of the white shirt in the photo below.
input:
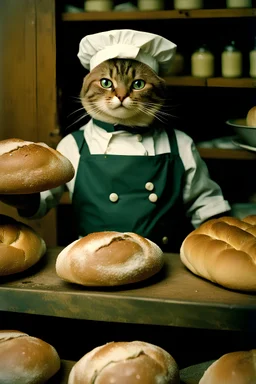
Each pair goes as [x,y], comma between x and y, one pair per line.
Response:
[202,196]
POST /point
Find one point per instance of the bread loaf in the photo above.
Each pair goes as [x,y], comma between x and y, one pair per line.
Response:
[25,359]
[125,363]
[251,117]
[109,259]
[232,368]
[20,246]
[27,167]
[223,251]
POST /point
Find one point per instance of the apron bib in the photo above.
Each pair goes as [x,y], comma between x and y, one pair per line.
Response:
[141,194]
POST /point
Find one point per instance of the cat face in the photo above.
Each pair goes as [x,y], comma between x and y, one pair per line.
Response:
[121,91]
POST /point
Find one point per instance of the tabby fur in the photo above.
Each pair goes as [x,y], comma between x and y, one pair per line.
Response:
[124,91]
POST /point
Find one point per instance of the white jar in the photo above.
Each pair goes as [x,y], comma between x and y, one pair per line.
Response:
[202,63]
[239,3]
[150,5]
[231,61]
[188,4]
[98,5]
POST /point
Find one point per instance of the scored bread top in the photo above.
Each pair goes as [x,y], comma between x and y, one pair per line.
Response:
[20,246]
[10,334]
[10,145]
[27,167]
[121,361]
[109,258]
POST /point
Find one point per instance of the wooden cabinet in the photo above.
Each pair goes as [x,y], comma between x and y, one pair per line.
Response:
[200,107]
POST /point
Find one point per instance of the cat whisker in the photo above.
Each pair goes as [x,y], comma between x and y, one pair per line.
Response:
[76,121]
[152,113]
[77,110]
[76,99]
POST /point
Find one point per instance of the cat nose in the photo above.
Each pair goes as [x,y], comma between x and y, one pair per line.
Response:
[121,97]
[121,93]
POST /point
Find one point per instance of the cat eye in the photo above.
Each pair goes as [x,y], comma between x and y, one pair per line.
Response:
[106,83]
[138,84]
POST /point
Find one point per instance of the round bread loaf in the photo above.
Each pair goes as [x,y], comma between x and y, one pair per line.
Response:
[20,246]
[25,359]
[232,368]
[127,363]
[223,251]
[27,167]
[251,117]
[108,259]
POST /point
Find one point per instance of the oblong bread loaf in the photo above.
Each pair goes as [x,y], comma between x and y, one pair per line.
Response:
[234,368]
[28,167]
[223,251]
[25,359]
[127,363]
[108,259]
[20,246]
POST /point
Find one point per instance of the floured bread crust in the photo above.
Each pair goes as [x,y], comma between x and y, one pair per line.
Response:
[27,167]
[108,259]
[224,252]
[20,246]
[25,359]
[127,363]
[234,367]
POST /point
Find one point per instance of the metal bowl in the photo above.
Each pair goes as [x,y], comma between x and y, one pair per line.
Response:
[245,134]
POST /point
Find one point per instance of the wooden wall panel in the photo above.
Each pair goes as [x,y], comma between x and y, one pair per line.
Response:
[46,70]
[27,82]
[27,69]
[18,69]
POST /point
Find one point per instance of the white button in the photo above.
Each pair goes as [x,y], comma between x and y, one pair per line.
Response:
[113,197]
[149,186]
[139,137]
[153,197]
[165,240]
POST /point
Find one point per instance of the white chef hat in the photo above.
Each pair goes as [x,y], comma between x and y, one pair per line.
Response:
[148,48]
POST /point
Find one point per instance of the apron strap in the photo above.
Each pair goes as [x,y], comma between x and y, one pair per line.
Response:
[173,141]
[81,142]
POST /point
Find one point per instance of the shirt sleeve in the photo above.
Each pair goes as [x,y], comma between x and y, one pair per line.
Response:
[203,197]
[51,198]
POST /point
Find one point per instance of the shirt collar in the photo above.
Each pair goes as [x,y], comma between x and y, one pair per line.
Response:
[119,127]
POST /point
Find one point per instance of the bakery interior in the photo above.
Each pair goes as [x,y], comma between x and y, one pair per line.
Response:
[195,320]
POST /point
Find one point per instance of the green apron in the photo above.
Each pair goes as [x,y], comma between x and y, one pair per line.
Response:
[118,192]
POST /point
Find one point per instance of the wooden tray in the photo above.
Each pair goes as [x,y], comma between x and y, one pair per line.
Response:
[174,297]
[193,374]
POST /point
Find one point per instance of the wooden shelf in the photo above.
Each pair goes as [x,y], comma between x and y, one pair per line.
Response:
[173,297]
[190,81]
[235,83]
[226,154]
[160,15]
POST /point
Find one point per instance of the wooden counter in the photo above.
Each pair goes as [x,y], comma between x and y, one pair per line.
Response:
[174,297]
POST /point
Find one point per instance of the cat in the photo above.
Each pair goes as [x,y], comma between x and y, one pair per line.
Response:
[124,91]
